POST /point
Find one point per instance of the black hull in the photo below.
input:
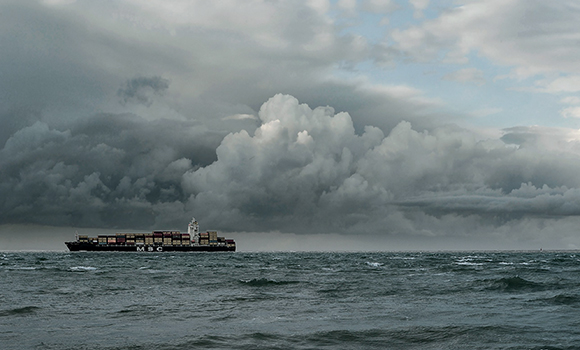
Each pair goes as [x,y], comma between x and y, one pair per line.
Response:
[76,247]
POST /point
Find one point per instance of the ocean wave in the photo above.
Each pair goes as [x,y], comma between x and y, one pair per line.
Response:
[22,268]
[472,261]
[436,337]
[150,270]
[83,268]
[328,301]
[329,269]
[136,311]
[561,299]
[468,263]
[262,282]
[402,258]
[514,284]
[26,310]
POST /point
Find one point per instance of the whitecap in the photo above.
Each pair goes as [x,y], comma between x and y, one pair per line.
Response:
[466,263]
[374,264]
[83,268]
[152,271]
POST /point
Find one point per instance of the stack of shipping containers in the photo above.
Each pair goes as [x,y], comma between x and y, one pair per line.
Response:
[155,238]
[167,238]
[212,237]
[204,238]
[121,238]
[158,238]
[176,238]
[130,239]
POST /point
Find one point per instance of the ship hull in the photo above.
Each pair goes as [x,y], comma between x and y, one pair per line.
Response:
[78,246]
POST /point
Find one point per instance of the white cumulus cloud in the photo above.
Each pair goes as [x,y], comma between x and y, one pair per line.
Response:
[307,170]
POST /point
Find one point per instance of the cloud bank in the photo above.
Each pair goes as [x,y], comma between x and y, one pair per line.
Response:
[309,171]
[302,171]
[260,116]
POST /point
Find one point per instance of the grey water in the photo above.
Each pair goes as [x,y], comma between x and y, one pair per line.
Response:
[404,300]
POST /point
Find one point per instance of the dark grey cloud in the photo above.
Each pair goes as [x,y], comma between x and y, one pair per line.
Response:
[15,119]
[141,89]
[63,64]
[303,170]
[49,60]
[123,114]
[107,170]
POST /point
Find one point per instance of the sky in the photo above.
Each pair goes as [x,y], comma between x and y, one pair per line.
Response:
[292,125]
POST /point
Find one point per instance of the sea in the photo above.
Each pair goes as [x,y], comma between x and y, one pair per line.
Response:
[290,300]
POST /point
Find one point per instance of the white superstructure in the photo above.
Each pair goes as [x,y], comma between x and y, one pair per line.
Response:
[193,230]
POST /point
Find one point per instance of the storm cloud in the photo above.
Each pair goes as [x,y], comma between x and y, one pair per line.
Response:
[303,171]
[308,170]
[258,117]
[108,170]
[139,90]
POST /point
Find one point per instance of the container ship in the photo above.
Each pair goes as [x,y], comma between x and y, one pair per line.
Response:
[156,241]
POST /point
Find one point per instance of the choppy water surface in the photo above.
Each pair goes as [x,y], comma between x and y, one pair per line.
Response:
[491,300]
